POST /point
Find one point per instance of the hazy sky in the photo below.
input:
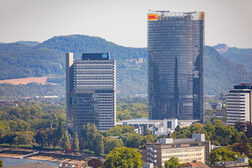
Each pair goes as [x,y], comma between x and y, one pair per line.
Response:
[121,21]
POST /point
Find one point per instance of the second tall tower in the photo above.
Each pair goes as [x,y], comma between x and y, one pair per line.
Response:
[176,65]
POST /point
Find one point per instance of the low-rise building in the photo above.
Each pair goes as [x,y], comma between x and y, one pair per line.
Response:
[186,150]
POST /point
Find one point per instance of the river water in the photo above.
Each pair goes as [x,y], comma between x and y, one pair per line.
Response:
[19,162]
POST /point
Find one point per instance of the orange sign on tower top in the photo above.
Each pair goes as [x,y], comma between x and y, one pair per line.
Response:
[152,16]
[202,15]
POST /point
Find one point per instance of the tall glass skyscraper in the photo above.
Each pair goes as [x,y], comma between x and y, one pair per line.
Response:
[90,91]
[176,65]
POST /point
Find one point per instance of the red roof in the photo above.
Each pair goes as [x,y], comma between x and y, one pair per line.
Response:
[195,164]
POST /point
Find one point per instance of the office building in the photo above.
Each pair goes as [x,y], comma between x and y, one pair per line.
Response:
[186,150]
[90,91]
[239,104]
[176,65]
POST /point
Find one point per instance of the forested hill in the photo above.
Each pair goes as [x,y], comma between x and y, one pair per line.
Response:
[81,43]
[25,59]
[237,55]
[221,73]
[20,60]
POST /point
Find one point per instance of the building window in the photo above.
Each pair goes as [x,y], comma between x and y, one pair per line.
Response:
[168,124]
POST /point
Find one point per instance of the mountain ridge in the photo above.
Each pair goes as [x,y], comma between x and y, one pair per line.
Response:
[48,58]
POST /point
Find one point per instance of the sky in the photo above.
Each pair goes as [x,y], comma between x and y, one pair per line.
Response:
[123,22]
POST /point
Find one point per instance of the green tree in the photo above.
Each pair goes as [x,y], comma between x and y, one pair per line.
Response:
[242,147]
[60,131]
[88,136]
[41,138]
[36,110]
[51,138]
[132,140]
[111,143]
[250,162]
[173,162]
[149,139]
[66,141]
[1,163]
[124,158]
[25,138]
[223,154]
[98,145]
[217,132]
[146,131]
[4,128]
[15,112]
[76,143]
[129,110]
[119,130]
[19,125]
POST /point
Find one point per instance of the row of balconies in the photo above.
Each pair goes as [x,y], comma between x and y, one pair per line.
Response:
[151,160]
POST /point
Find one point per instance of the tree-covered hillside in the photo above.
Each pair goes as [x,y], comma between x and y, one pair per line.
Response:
[30,90]
[221,74]
[80,43]
[18,60]
[29,43]
[238,55]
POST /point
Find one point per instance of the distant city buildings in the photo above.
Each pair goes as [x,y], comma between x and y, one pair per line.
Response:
[186,150]
[239,104]
[215,110]
[90,91]
[157,127]
[176,65]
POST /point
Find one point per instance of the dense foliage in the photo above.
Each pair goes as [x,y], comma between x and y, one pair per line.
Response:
[76,147]
[250,162]
[41,125]
[217,132]
[30,90]
[223,154]
[32,122]
[18,60]
[124,158]
[237,141]
[91,139]
[129,137]
[127,111]
[172,163]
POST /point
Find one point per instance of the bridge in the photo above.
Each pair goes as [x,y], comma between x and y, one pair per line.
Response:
[30,154]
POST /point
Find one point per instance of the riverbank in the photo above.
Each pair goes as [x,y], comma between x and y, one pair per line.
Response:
[44,158]
[10,162]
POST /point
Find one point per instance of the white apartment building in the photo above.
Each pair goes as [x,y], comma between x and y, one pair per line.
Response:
[239,104]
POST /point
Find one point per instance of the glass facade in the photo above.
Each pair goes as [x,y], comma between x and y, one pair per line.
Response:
[176,65]
[91,98]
